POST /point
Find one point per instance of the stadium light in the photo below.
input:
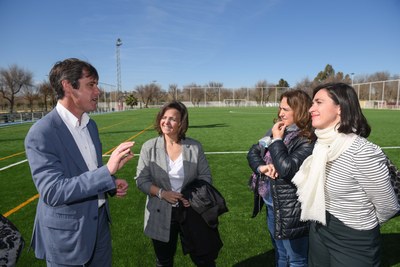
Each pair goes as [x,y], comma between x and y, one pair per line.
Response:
[117,45]
[352,74]
[352,85]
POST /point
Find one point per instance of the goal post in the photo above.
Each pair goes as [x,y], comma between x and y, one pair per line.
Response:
[375,104]
[235,102]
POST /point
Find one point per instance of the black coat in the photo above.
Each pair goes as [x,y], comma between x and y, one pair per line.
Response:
[206,200]
[200,223]
[287,161]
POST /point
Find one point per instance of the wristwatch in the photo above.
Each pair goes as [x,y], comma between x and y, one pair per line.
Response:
[159,193]
[275,139]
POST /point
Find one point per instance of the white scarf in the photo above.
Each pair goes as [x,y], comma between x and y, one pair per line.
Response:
[310,179]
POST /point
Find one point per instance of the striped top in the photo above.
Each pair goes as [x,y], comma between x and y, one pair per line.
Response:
[357,189]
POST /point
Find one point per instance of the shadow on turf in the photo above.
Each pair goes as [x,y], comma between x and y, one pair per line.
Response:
[390,254]
[261,260]
[209,125]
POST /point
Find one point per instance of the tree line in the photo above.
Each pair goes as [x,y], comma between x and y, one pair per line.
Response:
[18,90]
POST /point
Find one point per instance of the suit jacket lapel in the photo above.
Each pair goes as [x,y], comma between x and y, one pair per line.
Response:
[94,134]
[162,160]
[187,159]
[68,141]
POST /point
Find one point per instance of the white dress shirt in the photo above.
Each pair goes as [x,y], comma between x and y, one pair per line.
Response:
[82,138]
[175,173]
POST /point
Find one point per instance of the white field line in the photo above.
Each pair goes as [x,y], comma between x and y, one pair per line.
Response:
[12,165]
[228,152]
[211,153]
[251,113]
[207,153]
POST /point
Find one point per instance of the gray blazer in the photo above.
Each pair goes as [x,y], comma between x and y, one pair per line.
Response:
[152,170]
[66,217]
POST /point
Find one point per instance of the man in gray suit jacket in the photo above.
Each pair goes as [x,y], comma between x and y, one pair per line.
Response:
[65,156]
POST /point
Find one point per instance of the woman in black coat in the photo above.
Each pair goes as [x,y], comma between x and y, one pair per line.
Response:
[274,160]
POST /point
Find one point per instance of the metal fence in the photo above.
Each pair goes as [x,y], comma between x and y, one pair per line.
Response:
[377,94]
[19,117]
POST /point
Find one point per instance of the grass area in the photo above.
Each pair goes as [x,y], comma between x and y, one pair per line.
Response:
[246,241]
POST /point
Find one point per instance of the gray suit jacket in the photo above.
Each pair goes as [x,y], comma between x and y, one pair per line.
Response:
[152,170]
[66,217]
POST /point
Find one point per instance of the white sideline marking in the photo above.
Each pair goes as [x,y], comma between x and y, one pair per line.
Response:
[14,164]
[231,152]
[258,113]
[207,153]
[210,153]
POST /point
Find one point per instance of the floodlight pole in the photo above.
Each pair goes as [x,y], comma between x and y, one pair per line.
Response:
[352,85]
[118,44]
[398,92]
[352,74]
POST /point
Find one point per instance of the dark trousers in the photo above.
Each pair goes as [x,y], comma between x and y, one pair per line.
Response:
[165,251]
[337,245]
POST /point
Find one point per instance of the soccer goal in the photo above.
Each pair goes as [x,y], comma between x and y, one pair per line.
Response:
[235,102]
[378,104]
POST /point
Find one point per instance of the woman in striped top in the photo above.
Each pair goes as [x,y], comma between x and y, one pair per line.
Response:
[344,186]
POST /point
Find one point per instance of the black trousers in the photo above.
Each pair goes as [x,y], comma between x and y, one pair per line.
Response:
[165,251]
[337,245]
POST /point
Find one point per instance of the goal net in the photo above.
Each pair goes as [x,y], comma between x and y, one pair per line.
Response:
[378,104]
[235,102]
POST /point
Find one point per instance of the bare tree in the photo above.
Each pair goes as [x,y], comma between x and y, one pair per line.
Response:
[148,93]
[388,89]
[379,76]
[11,82]
[31,93]
[141,92]
[261,93]
[226,93]
[173,92]
[3,103]
[196,93]
[47,93]
[241,93]
[214,91]
[305,85]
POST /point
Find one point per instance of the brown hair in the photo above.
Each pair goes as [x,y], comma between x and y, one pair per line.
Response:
[300,102]
[70,69]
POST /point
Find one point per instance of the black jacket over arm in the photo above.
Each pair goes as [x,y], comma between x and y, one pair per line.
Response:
[200,225]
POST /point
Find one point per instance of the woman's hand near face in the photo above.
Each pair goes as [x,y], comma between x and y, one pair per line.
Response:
[278,129]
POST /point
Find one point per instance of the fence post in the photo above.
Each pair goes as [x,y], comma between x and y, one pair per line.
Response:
[398,92]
